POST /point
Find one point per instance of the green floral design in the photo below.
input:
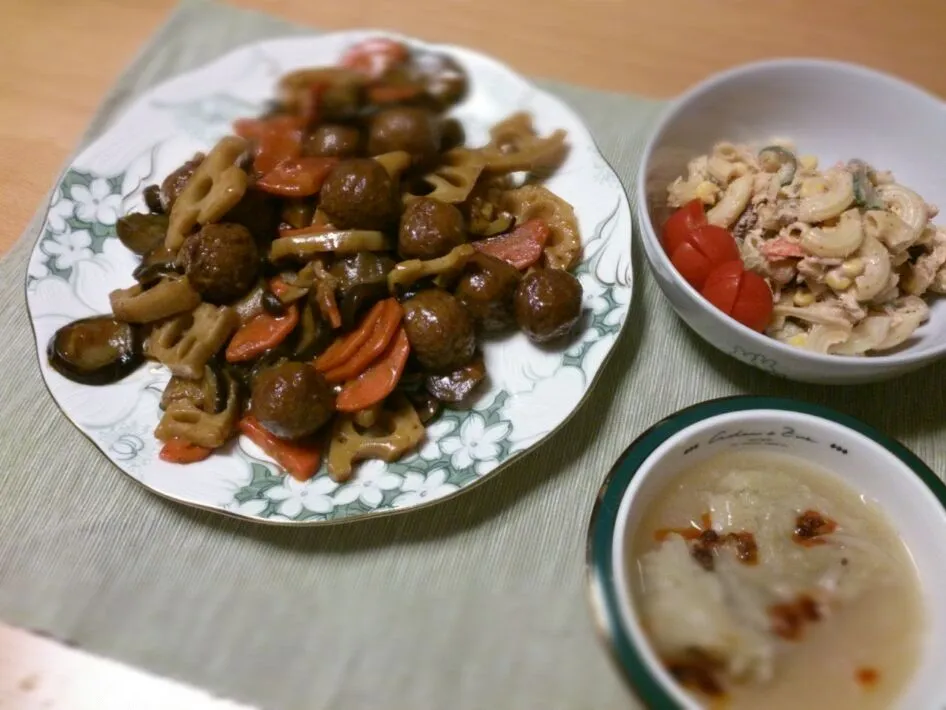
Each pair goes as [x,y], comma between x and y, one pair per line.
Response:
[469,444]
[79,222]
[461,446]
[602,323]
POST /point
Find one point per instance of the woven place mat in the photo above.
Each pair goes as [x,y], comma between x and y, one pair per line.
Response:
[475,603]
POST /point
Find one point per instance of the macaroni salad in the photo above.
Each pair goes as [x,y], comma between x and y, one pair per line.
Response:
[847,251]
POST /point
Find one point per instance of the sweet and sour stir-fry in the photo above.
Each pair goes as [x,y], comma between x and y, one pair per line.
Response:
[318,280]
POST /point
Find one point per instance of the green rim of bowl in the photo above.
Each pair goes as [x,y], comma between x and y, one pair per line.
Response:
[600,577]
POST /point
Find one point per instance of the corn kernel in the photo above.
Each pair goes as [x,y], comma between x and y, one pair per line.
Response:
[814,186]
[707,192]
[798,340]
[837,281]
[808,162]
[853,267]
[803,297]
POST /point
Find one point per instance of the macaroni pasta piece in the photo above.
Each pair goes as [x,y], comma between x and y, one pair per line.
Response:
[842,240]
[734,202]
[876,270]
[907,205]
[832,201]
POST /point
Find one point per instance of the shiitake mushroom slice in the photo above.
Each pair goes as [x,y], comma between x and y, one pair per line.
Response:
[156,264]
[142,233]
[458,385]
[95,351]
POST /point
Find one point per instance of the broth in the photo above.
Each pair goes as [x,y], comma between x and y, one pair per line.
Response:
[764,581]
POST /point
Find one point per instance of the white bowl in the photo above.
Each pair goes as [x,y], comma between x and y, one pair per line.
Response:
[880,468]
[829,109]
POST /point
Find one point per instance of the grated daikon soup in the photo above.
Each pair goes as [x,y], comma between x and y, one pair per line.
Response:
[763,581]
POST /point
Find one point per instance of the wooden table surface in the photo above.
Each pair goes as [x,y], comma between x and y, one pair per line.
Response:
[59,59]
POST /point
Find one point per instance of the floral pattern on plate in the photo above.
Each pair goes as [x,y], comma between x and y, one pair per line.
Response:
[78,260]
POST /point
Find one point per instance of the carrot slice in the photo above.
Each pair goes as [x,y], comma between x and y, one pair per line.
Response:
[249,128]
[311,229]
[521,247]
[287,293]
[344,347]
[300,460]
[328,305]
[261,333]
[379,380]
[375,56]
[177,450]
[275,139]
[296,177]
[381,335]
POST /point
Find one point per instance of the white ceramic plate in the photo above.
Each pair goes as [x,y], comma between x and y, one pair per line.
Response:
[78,261]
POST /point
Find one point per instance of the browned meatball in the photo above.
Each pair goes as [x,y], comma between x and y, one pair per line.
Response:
[547,304]
[487,291]
[439,329]
[174,183]
[452,135]
[333,140]
[408,128]
[221,261]
[292,400]
[358,193]
[445,80]
[429,228]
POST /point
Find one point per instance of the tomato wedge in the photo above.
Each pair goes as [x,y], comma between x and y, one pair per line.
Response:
[722,285]
[715,243]
[753,307]
[677,229]
[740,294]
[705,248]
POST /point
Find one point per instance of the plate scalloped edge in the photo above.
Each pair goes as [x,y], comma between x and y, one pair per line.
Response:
[532,392]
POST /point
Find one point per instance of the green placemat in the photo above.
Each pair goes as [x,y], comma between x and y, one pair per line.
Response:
[476,603]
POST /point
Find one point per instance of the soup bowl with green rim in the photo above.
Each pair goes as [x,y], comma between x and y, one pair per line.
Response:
[881,469]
